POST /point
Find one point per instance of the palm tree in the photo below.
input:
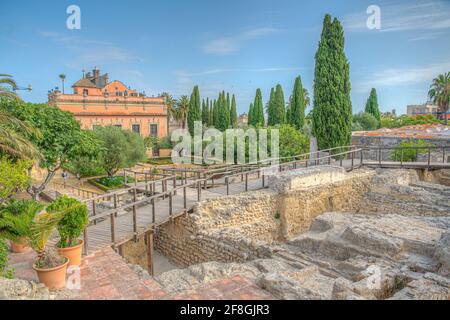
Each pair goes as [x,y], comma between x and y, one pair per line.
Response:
[13,137]
[440,93]
[62,76]
[7,87]
[13,131]
[182,110]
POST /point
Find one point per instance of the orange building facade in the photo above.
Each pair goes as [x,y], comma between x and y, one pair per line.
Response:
[96,101]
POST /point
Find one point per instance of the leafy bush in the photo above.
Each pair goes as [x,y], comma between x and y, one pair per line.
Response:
[74,219]
[13,177]
[292,142]
[85,166]
[4,270]
[404,120]
[408,155]
[165,143]
[17,218]
[365,120]
[113,182]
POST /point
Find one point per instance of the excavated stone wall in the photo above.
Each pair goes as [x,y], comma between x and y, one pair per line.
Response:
[242,227]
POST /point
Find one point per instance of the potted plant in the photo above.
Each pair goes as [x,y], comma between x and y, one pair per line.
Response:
[15,223]
[50,267]
[70,227]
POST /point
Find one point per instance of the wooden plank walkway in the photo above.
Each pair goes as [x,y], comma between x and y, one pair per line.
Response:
[99,234]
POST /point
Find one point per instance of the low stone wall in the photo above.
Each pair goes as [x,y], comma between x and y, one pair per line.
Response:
[242,227]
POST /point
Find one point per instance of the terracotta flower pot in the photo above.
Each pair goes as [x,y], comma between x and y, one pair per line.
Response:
[53,278]
[19,246]
[72,253]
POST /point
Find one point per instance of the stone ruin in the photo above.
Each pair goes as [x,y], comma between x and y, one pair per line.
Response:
[321,233]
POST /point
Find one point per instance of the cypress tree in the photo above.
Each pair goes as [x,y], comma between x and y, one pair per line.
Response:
[216,113]
[270,109]
[205,112]
[228,110]
[250,115]
[233,113]
[288,111]
[194,113]
[332,112]
[223,113]
[296,113]
[211,115]
[372,105]
[279,111]
[258,109]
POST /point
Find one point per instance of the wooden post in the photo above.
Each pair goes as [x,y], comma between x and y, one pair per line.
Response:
[184,198]
[153,210]
[113,222]
[429,157]
[228,186]
[353,158]
[443,154]
[146,183]
[246,181]
[175,184]
[199,196]
[401,157]
[263,180]
[134,216]
[94,210]
[170,204]
[85,241]
[149,241]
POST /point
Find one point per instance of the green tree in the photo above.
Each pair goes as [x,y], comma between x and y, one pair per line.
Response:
[223,112]
[62,76]
[372,106]
[205,112]
[250,114]
[440,93]
[233,113]
[60,139]
[364,121]
[296,113]
[258,110]
[211,114]
[270,108]
[194,112]
[13,178]
[182,106]
[332,112]
[279,111]
[7,87]
[121,148]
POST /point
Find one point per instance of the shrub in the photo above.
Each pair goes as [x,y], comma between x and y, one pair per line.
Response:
[13,177]
[408,154]
[113,182]
[365,120]
[17,218]
[74,219]
[165,143]
[5,271]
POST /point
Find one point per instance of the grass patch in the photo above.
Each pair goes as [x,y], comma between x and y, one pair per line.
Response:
[160,161]
[110,183]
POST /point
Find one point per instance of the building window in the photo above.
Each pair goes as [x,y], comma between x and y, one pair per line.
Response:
[136,128]
[85,92]
[154,130]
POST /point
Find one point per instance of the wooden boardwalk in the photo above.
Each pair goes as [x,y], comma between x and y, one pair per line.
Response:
[99,234]
[120,216]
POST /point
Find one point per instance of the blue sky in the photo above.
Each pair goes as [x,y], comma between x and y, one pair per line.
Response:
[237,46]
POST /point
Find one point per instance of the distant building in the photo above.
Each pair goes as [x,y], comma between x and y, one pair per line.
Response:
[422,109]
[243,120]
[392,113]
[96,101]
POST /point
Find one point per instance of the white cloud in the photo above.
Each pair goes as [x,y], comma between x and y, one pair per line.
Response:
[90,52]
[431,15]
[401,76]
[228,45]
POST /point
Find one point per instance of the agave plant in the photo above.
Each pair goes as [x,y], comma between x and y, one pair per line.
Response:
[17,218]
